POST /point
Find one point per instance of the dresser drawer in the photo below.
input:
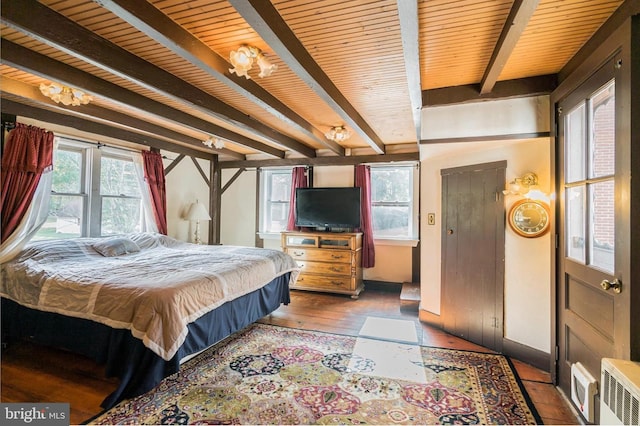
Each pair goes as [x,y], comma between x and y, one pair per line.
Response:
[325,268]
[319,282]
[325,255]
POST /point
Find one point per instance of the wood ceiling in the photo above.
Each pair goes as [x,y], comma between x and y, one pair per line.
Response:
[158,70]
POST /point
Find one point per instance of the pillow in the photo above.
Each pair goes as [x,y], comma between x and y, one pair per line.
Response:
[115,247]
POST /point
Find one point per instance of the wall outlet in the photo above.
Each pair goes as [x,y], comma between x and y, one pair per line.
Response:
[431,218]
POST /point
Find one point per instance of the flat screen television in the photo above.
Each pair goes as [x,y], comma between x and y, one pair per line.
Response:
[328,208]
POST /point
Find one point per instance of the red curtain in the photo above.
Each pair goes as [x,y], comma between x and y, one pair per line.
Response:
[363,180]
[28,153]
[298,180]
[154,175]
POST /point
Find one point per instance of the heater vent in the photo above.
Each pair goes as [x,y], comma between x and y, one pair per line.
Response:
[620,398]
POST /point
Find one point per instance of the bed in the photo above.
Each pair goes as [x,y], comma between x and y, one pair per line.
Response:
[139,303]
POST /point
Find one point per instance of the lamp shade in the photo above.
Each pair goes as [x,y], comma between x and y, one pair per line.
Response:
[197,212]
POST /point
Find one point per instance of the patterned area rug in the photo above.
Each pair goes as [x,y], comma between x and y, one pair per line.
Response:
[274,375]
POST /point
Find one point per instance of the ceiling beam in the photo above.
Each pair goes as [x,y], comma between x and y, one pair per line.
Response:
[43,66]
[92,112]
[41,114]
[409,29]
[516,22]
[145,17]
[350,160]
[263,17]
[44,24]
[523,87]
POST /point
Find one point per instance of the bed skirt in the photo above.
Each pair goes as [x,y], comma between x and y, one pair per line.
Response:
[125,357]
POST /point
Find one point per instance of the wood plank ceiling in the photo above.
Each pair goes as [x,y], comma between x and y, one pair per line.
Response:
[159,69]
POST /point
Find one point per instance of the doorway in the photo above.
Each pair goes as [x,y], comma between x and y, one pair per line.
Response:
[593,297]
[473,253]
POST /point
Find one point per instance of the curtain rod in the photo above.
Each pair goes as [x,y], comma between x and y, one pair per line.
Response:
[102,144]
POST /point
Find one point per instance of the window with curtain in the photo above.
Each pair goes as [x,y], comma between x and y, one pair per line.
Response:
[114,206]
[394,189]
[275,191]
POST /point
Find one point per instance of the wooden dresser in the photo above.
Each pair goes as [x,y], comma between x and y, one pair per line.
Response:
[330,261]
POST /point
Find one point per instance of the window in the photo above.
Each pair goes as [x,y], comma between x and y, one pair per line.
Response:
[114,206]
[589,179]
[121,207]
[393,210]
[275,194]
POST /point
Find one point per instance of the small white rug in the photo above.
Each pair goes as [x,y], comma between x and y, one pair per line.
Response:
[389,329]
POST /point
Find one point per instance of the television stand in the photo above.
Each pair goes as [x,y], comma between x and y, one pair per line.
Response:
[330,261]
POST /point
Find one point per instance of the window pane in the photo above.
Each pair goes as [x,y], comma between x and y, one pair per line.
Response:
[118,177]
[602,117]
[390,221]
[64,220]
[120,215]
[575,145]
[280,187]
[575,226]
[277,217]
[602,225]
[389,184]
[67,172]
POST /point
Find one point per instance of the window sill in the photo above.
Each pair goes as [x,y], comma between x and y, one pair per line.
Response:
[406,242]
[269,235]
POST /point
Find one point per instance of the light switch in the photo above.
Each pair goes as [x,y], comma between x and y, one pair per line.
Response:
[431,218]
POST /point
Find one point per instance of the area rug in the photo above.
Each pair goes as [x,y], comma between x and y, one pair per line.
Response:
[274,375]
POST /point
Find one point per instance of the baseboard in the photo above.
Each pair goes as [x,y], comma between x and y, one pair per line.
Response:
[527,354]
[430,318]
[524,353]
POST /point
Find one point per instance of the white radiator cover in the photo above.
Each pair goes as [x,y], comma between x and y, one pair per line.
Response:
[620,392]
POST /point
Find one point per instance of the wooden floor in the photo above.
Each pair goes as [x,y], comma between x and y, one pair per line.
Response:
[36,374]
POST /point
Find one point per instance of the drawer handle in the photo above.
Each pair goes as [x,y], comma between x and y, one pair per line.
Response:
[334,269]
[337,256]
[298,253]
[338,283]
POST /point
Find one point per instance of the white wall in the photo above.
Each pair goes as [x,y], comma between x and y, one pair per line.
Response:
[239,210]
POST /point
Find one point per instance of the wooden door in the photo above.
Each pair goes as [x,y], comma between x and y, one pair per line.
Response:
[473,252]
[593,296]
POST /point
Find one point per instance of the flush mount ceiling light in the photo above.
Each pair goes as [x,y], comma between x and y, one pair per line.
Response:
[65,95]
[242,61]
[214,142]
[338,134]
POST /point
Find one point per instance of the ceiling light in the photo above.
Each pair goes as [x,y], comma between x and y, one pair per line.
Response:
[212,142]
[65,95]
[338,134]
[242,61]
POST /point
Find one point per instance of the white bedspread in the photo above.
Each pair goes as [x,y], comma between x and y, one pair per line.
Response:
[155,293]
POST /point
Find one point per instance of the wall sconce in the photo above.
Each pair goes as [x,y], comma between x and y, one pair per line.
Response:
[196,213]
[213,142]
[527,186]
[243,58]
[338,134]
[65,95]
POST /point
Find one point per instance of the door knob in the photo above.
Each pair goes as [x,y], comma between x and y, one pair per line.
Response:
[450,232]
[616,285]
